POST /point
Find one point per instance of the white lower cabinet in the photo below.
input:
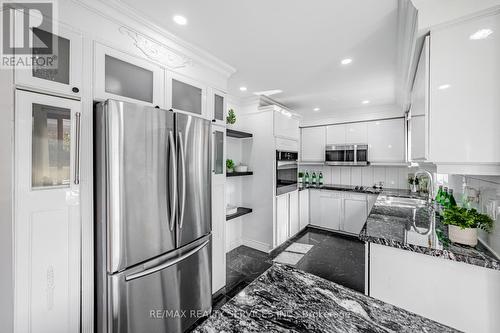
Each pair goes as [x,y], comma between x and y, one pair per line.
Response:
[303,208]
[287,216]
[337,210]
[355,213]
[442,290]
[294,220]
[281,219]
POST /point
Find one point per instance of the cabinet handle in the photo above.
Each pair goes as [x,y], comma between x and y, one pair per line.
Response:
[75,90]
[77,149]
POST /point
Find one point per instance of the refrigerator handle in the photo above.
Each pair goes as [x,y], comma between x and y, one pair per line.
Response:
[173,203]
[183,186]
[77,150]
[166,264]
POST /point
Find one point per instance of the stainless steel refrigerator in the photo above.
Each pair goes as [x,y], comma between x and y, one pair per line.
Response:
[153,218]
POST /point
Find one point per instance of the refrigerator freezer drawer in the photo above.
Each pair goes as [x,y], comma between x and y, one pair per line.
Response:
[169,296]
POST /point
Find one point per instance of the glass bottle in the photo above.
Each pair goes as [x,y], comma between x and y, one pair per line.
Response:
[439,195]
[320,178]
[313,178]
[451,199]
[306,178]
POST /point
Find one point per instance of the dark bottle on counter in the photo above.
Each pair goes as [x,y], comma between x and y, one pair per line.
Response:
[313,178]
[450,200]
[320,178]
[306,178]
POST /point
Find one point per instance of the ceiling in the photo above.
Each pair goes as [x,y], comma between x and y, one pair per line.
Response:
[295,46]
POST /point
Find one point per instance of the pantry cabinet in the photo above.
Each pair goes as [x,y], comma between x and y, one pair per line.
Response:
[121,76]
[47,213]
[64,73]
[313,144]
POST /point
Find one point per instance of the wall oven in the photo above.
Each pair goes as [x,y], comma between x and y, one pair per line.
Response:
[286,171]
[347,154]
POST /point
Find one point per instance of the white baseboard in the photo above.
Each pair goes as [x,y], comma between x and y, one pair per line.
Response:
[234,244]
[264,247]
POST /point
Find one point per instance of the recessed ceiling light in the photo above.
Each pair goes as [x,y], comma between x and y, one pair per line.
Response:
[268,92]
[316,109]
[180,20]
[346,61]
[444,86]
[481,34]
[365,102]
[243,88]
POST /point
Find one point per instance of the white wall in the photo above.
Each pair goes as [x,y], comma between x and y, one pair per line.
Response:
[434,12]
[393,177]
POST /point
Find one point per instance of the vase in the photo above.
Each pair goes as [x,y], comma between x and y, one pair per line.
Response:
[229,170]
[467,236]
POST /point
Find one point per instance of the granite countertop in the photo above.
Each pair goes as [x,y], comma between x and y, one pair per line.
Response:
[392,226]
[284,299]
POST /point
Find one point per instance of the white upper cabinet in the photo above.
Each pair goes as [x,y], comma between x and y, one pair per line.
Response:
[386,141]
[218,108]
[286,126]
[335,135]
[356,133]
[65,74]
[186,95]
[464,91]
[127,78]
[313,144]
[419,113]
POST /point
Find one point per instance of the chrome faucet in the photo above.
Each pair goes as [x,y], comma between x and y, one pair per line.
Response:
[431,182]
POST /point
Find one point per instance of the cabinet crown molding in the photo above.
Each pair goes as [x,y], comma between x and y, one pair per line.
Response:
[157,51]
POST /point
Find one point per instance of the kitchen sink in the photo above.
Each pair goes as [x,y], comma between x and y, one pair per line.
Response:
[402,202]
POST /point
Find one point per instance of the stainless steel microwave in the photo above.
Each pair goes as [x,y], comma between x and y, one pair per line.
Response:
[347,154]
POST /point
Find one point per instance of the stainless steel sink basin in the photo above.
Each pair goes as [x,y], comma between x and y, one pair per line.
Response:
[402,202]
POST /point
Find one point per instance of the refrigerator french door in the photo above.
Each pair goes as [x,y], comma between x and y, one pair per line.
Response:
[153,218]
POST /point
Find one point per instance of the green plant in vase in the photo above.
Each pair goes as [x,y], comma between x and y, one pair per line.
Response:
[231,117]
[229,165]
[463,224]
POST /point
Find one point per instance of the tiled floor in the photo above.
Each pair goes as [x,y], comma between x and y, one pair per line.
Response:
[334,257]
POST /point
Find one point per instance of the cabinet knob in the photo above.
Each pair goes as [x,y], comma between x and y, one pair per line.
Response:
[157,107]
[75,90]
[213,120]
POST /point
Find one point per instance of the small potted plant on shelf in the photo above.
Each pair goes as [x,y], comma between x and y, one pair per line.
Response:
[463,224]
[229,166]
[413,182]
[231,117]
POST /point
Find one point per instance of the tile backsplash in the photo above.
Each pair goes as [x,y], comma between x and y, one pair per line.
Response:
[392,177]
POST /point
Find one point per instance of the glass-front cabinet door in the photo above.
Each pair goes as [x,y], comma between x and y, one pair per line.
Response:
[57,61]
[127,78]
[186,95]
[47,213]
[218,107]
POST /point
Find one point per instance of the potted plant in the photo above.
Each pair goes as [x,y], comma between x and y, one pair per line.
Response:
[413,181]
[229,166]
[463,224]
[231,117]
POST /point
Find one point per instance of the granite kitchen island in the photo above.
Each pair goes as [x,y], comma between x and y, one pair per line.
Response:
[285,299]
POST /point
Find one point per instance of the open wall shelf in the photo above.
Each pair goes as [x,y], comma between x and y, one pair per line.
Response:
[240,212]
[239,174]
[238,134]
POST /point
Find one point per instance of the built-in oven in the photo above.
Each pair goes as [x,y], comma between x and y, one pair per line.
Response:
[346,154]
[286,171]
